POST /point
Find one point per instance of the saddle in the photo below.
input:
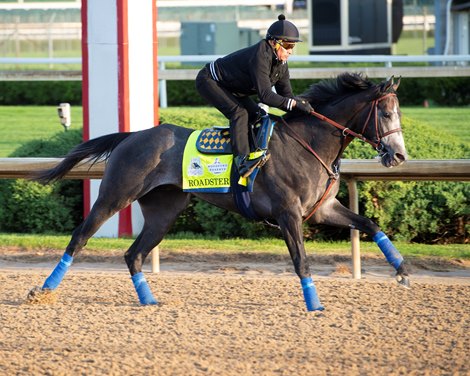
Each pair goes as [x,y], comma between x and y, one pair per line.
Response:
[216,140]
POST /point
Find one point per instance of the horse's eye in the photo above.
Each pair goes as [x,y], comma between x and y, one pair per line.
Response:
[386,115]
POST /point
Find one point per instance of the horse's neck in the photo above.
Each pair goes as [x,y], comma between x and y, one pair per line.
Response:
[343,115]
[323,138]
[349,114]
[321,141]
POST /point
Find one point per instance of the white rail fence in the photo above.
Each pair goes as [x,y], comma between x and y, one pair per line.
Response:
[352,171]
[437,66]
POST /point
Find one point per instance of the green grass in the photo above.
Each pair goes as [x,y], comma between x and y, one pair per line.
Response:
[454,120]
[21,124]
[235,246]
[413,43]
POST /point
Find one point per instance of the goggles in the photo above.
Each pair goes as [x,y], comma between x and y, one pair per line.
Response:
[286,45]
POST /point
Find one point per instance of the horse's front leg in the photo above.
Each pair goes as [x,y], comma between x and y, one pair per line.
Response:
[335,214]
[291,227]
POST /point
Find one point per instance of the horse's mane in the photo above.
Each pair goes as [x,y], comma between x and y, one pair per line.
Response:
[329,90]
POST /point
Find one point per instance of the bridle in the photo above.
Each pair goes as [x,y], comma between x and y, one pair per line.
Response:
[376,143]
[346,132]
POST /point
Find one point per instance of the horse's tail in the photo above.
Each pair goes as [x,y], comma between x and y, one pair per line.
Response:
[95,149]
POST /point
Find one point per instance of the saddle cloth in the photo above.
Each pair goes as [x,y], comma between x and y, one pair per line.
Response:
[208,160]
[205,173]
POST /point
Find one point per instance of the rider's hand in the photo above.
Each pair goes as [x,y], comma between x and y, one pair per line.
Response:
[303,105]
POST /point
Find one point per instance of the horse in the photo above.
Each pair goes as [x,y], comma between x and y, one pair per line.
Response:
[298,183]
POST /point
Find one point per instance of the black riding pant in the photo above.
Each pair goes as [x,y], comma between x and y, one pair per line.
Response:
[241,111]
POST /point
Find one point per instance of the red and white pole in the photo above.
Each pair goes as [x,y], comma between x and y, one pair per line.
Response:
[120,83]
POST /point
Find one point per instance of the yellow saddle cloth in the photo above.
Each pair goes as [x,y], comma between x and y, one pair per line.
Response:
[208,173]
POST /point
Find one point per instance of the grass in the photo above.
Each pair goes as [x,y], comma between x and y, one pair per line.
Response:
[454,120]
[20,124]
[413,43]
[234,246]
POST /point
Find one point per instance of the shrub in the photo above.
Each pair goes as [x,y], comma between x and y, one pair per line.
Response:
[40,92]
[418,211]
[442,91]
[224,224]
[414,211]
[31,207]
[193,117]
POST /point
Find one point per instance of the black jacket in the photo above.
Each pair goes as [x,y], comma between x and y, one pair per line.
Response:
[255,70]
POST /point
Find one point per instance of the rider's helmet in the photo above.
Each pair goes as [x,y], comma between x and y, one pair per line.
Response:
[283,31]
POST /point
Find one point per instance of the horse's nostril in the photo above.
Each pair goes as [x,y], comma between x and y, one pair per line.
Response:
[400,157]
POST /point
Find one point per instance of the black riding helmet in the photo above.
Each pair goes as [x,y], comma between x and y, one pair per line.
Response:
[283,30]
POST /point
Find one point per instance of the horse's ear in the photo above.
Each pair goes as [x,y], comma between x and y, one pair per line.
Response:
[387,85]
[396,84]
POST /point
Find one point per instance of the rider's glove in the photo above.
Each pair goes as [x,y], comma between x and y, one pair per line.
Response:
[303,105]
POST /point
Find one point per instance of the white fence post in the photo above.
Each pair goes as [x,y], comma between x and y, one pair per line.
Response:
[156,260]
[355,244]
[162,88]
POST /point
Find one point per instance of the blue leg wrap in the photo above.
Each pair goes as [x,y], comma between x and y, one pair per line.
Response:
[310,295]
[391,253]
[143,289]
[53,281]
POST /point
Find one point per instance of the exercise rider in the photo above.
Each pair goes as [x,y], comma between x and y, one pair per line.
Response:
[228,83]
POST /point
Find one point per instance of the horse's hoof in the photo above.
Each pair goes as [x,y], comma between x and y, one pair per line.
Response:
[38,295]
[403,280]
[148,301]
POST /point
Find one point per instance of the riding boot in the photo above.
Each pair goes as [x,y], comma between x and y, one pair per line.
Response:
[246,166]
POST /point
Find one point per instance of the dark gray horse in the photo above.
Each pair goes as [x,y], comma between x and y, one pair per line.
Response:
[298,183]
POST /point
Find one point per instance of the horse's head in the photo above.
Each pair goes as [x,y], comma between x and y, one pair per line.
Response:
[383,125]
[362,109]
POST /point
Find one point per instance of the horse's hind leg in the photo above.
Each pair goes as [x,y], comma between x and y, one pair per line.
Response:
[101,211]
[160,209]
[335,214]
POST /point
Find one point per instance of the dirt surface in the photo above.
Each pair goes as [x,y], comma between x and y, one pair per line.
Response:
[233,315]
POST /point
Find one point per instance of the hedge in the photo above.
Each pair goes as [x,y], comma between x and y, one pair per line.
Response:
[29,207]
[419,211]
[16,93]
[413,211]
[441,91]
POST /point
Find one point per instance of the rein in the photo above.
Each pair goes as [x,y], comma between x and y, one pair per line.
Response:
[349,133]
[334,175]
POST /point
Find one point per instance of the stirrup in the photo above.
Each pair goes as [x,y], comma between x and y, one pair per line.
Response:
[264,159]
[247,166]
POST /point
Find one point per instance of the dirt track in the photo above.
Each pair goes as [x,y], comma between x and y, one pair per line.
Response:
[232,321]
